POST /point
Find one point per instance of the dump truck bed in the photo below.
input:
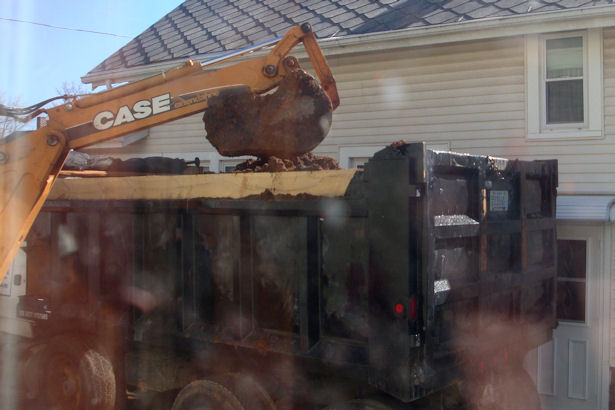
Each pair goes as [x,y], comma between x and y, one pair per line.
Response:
[400,273]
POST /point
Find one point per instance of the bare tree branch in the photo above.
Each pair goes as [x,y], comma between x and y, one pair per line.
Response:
[8,125]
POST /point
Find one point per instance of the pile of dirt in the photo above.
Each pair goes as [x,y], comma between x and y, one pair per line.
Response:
[305,162]
[291,121]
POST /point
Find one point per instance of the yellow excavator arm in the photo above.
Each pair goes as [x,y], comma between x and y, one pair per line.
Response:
[30,163]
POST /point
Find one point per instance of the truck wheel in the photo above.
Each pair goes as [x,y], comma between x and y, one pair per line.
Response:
[366,404]
[206,394]
[227,389]
[30,373]
[76,377]
[250,393]
[371,402]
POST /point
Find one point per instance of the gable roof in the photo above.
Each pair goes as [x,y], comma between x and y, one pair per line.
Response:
[199,29]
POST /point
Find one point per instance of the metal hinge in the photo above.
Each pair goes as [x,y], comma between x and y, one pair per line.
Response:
[414,191]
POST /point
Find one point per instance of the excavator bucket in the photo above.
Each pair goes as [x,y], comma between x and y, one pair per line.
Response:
[287,123]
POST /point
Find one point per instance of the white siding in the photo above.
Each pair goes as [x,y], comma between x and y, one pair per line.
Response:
[185,135]
[181,136]
[470,96]
[439,94]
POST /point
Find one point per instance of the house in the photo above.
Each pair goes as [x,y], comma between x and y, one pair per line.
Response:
[515,78]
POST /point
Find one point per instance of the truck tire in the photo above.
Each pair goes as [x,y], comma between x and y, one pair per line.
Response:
[250,393]
[206,394]
[30,373]
[75,376]
[366,404]
[225,391]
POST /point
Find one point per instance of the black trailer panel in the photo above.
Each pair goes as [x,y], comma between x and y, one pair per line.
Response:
[461,263]
[422,266]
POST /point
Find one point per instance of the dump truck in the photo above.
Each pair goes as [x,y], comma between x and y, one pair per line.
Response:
[420,280]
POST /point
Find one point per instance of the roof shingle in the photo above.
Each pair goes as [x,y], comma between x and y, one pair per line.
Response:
[199,28]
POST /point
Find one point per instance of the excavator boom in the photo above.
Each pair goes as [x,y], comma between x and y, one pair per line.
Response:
[297,120]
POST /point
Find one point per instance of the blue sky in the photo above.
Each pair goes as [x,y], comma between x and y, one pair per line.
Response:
[36,61]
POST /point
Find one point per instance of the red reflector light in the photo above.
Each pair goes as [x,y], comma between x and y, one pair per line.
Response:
[413,308]
[399,308]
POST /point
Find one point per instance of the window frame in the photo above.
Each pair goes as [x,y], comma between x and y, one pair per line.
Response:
[584,280]
[347,153]
[544,80]
[592,126]
[223,164]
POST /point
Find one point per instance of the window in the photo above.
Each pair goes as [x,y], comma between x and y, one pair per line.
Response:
[353,156]
[571,279]
[563,80]
[357,162]
[356,156]
[564,85]
[228,165]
